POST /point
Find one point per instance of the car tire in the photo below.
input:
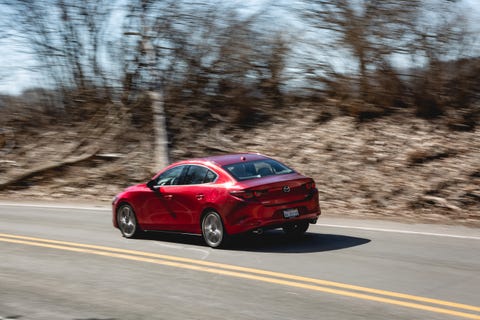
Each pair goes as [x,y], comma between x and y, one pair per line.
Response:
[213,230]
[296,229]
[127,221]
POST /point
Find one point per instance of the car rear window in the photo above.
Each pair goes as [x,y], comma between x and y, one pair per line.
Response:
[256,169]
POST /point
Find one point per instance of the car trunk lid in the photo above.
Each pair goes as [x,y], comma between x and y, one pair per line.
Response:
[279,189]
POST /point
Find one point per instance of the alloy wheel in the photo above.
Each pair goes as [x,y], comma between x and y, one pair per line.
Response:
[212,229]
[127,221]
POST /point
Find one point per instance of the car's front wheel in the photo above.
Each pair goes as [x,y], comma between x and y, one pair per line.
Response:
[213,230]
[296,229]
[127,221]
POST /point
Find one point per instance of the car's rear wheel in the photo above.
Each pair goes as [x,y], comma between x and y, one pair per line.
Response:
[127,221]
[213,230]
[296,229]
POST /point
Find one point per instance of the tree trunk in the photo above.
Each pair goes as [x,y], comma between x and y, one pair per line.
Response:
[160,131]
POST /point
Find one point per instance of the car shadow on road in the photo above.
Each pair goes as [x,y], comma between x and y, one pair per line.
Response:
[274,241]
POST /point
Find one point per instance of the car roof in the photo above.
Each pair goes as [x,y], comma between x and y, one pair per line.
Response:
[226,159]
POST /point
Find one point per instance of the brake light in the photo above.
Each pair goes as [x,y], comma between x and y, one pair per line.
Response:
[259,193]
[243,194]
[248,194]
[310,185]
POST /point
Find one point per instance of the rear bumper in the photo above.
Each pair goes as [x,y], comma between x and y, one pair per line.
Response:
[255,215]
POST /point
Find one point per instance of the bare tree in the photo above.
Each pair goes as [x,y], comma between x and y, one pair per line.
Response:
[372,31]
[403,53]
[67,38]
[446,47]
[189,58]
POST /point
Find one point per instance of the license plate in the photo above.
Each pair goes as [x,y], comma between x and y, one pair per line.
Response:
[290,213]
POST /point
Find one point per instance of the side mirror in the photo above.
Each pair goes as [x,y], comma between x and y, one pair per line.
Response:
[153,186]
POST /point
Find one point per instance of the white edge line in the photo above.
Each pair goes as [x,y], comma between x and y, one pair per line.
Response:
[318,224]
[400,231]
[54,207]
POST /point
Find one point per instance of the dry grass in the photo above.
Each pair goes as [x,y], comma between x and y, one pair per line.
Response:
[398,167]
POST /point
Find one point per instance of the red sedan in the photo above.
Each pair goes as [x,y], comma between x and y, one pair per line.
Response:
[219,196]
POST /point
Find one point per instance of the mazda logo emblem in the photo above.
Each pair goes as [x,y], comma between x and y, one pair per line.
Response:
[286,189]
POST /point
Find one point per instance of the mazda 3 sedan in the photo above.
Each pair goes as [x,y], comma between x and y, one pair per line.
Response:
[219,196]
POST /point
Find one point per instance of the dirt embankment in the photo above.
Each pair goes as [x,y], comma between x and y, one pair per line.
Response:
[397,167]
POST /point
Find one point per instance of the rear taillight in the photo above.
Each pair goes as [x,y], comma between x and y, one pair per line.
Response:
[310,185]
[259,193]
[243,194]
[248,194]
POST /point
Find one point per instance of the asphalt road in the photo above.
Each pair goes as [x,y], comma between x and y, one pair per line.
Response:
[62,262]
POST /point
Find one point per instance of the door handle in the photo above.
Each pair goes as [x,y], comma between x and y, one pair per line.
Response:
[168,196]
[200,196]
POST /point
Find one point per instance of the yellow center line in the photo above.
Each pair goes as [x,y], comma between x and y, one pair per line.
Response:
[255,271]
[239,272]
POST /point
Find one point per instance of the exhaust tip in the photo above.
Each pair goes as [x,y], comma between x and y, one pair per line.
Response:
[258,231]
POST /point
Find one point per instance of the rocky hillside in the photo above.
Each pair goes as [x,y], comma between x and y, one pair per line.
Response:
[396,167]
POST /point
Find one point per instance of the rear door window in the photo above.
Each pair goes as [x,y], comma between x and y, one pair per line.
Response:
[198,175]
